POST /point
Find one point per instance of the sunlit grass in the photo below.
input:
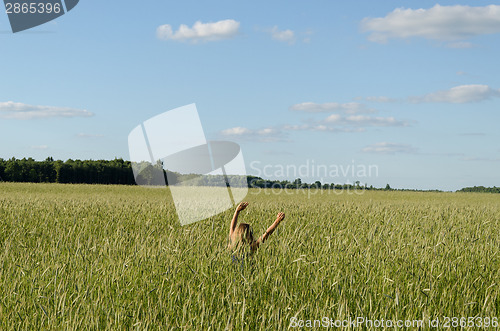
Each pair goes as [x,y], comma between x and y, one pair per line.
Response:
[116,257]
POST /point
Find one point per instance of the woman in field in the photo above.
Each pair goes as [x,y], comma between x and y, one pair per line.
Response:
[241,236]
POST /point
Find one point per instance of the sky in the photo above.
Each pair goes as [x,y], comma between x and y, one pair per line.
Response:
[403,93]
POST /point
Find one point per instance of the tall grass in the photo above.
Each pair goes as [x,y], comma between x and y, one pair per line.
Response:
[115,257]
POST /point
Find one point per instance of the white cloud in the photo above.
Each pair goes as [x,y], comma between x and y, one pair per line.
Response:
[296,127]
[363,120]
[335,118]
[347,108]
[343,123]
[459,94]
[444,23]
[224,29]
[236,131]
[17,110]
[347,117]
[381,99]
[335,123]
[389,148]
[262,135]
[334,129]
[322,127]
[282,35]
[267,131]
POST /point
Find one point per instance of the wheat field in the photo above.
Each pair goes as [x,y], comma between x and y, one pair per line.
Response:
[115,257]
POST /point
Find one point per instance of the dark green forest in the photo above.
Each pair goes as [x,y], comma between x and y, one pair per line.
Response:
[116,171]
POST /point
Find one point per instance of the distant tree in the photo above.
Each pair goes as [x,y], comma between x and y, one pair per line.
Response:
[2,169]
[13,171]
[47,173]
[388,187]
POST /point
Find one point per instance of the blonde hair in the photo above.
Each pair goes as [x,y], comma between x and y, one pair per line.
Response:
[242,236]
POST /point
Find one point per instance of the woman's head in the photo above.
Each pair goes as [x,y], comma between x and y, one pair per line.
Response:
[243,234]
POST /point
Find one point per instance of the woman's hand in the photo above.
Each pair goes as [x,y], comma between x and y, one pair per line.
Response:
[242,206]
[280,217]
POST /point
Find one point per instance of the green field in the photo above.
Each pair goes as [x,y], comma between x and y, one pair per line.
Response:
[116,257]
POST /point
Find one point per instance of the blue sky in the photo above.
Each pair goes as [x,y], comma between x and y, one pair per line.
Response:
[410,87]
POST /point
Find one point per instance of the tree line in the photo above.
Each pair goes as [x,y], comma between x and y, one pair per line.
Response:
[258,182]
[120,172]
[481,189]
[116,171]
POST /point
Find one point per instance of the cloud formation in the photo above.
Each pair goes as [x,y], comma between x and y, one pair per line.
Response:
[459,94]
[200,32]
[282,35]
[363,120]
[347,108]
[262,135]
[21,111]
[381,99]
[346,117]
[445,23]
[322,127]
[334,123]
[389,148]
[351,114]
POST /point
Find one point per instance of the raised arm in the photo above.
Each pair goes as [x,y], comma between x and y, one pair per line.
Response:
[280,217]
[234,221]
